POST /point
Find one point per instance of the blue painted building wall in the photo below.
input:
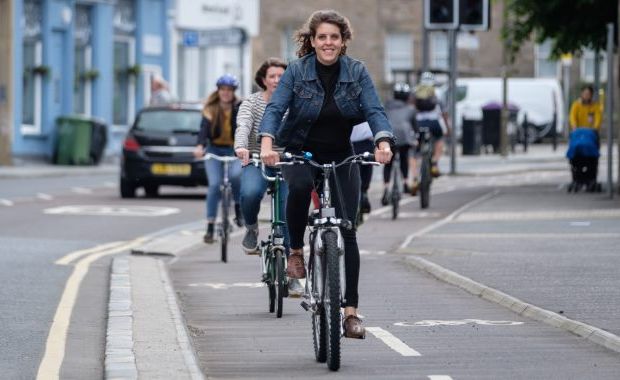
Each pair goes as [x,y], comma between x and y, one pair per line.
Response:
[57,35]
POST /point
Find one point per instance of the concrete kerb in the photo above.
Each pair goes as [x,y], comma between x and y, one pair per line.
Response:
[591,333]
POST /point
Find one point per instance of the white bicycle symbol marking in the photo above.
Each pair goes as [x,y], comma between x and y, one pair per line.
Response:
[437,322]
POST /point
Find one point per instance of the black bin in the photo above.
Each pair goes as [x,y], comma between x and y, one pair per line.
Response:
[492,121]
[471,138]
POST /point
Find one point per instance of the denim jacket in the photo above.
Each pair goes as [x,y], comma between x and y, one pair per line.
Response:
[300,91]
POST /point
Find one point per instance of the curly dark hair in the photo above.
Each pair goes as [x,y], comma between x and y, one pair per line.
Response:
[302,36]
[261,73]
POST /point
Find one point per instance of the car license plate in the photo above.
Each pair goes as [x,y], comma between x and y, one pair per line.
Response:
[171,169]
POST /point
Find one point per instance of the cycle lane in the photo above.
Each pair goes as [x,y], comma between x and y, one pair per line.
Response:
[236,337]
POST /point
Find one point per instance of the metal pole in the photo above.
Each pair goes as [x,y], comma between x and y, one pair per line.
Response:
[425,49]
[452,92]
[597,74]
[567,98]
[610,111]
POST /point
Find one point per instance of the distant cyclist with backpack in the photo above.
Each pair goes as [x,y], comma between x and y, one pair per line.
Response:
[430,114]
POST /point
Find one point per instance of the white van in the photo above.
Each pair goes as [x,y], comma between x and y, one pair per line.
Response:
[539,98]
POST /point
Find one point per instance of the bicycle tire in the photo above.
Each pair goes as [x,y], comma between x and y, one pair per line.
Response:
[425,183]
[395,195]
[271,286]
[318,317]
[280,283]
[225,224]
[332,304]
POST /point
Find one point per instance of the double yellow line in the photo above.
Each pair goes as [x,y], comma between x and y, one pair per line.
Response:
[57,338]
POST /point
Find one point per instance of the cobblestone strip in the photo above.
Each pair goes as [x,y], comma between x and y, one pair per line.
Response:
[120,361]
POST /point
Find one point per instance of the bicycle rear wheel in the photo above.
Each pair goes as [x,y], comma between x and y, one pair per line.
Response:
[395,196]
[280,285]
[332,300]
[225,224]
[425,182]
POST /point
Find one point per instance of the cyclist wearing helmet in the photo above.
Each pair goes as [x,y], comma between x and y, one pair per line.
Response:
[401,115]
[429,114]
[217,131]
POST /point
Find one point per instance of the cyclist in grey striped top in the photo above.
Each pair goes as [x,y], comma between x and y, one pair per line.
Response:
[253,185]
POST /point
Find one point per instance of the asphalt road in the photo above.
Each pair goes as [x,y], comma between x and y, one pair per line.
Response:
[74,213]
[454,334]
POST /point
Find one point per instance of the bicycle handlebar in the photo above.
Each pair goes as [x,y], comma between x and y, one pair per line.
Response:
[365,158]
[211,156]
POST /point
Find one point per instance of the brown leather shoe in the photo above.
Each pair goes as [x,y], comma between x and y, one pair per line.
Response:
[295,266]
[353,327]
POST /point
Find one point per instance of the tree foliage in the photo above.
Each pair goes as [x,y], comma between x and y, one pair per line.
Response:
[571,24]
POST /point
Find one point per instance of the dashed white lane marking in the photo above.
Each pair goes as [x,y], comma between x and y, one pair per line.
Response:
[538,215]
[566,235]
[106,210]
[393,342]
[580,224]
[109,184]
[57,339]
[439,377]
[447,219]
[45,197]
[6,202]
[81,190]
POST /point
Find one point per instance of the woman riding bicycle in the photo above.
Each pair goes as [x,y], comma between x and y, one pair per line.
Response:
[253,185]
[326,93]
[217,129]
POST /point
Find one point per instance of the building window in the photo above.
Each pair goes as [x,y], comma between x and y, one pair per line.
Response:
[398,55]
[587,66]
[287,44]
[83,76]
[124,17]
[440,52]
[34,70]
[545,67]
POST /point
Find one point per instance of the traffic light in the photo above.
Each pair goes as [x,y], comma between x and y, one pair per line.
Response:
[441,14]
[474,15]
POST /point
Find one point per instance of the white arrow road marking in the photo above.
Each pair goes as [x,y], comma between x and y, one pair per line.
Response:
[223,286]
[57,338]
[393,342]
[439,377]
[461,322]
[45,197]
[81,190]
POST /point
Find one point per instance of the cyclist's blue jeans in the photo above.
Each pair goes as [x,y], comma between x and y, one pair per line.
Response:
[253,187]
[215,174]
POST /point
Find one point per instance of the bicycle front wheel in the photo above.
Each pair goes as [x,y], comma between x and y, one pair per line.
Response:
[332,300]
[225,224]
[395,196]
[280,285]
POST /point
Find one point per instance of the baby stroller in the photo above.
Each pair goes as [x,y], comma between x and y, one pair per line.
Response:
[583,154]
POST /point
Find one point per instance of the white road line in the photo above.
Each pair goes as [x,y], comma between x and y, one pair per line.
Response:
[408,200]
[439,377]
[567,235]
[45,197]
[81,190]
[57,338]
[393,342]
[448,218]
[6,202]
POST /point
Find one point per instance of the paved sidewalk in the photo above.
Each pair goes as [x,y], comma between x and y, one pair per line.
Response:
[37,168]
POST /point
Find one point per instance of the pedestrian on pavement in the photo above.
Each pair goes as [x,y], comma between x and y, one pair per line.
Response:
[585,112]
[217,130]
[160,93]
[326,92]
[402,118]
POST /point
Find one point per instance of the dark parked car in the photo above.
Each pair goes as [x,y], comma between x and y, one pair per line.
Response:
[158,150]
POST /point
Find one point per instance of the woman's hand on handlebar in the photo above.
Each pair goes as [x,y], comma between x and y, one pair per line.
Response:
[199,151]
[244,155]
[267,154]
[383,153]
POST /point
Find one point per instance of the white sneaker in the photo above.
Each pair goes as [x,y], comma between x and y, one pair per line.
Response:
[295,288]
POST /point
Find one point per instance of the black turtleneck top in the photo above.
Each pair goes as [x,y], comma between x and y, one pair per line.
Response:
[331,133]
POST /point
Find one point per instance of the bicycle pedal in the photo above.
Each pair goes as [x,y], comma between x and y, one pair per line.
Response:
[305,305]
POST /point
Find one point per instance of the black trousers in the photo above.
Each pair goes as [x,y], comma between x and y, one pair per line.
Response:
[403,152]
[360,147]
[300,179]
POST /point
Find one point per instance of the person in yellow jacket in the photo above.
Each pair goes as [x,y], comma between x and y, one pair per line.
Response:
[585,112]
